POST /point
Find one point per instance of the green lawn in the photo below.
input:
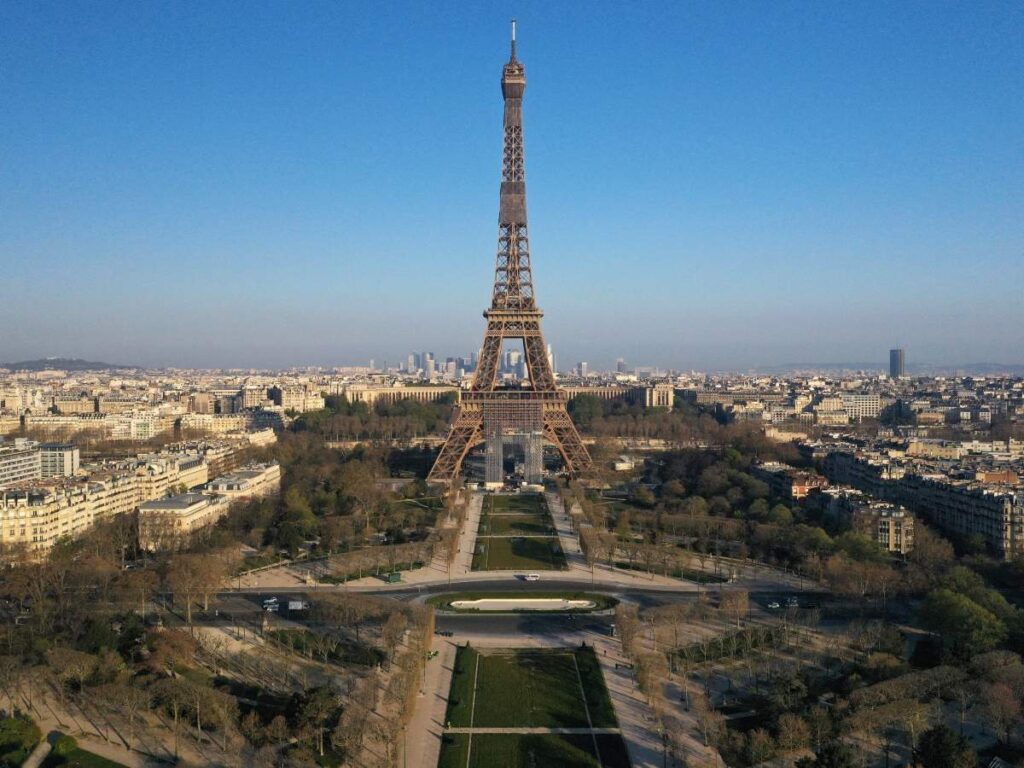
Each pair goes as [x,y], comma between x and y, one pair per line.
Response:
[602,714]
[460,695]
[546,684]
[529,688]
[547,692]
[66,752]
[509,554]
[613,751]
[492,750]
[525,525]
[454,748]
[18,737]
[528,503]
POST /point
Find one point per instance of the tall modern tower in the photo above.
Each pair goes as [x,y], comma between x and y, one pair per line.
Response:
[535,409]
[897,364]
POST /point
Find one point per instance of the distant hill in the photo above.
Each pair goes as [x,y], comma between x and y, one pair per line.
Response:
[60,364]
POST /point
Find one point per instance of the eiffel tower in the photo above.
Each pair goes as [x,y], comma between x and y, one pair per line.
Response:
[488,411]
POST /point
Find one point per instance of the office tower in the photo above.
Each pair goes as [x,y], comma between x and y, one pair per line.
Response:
[620,366]
[897,363]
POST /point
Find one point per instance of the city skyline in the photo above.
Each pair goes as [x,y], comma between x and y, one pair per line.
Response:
[180,196]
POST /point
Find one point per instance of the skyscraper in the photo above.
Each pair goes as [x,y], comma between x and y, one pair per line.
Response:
[897,363]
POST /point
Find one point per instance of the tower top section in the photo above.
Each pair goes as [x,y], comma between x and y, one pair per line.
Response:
[513,76]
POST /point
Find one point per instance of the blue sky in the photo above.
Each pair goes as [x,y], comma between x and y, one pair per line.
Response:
[711,185]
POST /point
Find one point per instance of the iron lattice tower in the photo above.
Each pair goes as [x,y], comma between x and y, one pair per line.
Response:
[488,411]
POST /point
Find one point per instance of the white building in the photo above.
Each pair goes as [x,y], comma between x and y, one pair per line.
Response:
[252,482]
[168,523]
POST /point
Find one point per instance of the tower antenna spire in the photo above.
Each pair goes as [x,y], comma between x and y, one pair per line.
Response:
[513,39]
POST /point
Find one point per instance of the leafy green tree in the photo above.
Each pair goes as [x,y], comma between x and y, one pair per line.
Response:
[713,481]
[584,409]
[964,626]
[942,747]
[780,515]
[317,709]
[860,548]
[297,510]
[673,489]
[965,581]
[696,506]
[758,509]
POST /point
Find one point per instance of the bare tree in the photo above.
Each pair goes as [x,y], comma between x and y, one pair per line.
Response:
[735,603]
[1000,709]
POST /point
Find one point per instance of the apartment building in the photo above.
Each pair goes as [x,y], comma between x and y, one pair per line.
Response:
[19,460]
[251,482]
[961,508]
[160,474]
[34,517]
[73,404]
[859,406]
[968,508]
[296,398]
[168,523]
[787,482]
[890,525]
[216,423]
[58,460]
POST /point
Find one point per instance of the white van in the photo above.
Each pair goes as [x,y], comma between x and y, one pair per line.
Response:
[532,577]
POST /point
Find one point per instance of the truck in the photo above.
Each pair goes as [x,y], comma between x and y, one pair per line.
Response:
[297,605]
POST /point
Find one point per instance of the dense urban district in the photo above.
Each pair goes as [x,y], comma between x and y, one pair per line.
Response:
[250,568]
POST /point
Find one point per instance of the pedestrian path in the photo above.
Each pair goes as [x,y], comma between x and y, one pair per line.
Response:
[467,536]
[526,731]
[426,728]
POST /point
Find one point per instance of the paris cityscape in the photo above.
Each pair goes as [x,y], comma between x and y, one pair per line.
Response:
[730,472]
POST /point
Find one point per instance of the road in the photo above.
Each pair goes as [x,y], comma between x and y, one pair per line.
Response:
[247,603]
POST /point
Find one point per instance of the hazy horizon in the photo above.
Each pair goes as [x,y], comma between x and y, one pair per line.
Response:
[715,188]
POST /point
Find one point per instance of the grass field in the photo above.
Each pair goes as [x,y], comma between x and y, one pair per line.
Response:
[18,737]
[547,684]
[552,689]
[535,750]
[66,752]
[535,553]
[524,503]
[517,533]
[547,692]
[523,525]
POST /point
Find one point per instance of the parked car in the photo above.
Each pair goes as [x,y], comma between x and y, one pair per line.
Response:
[774,605]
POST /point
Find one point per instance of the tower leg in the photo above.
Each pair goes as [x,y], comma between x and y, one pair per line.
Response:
[465,433]
[559,430]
